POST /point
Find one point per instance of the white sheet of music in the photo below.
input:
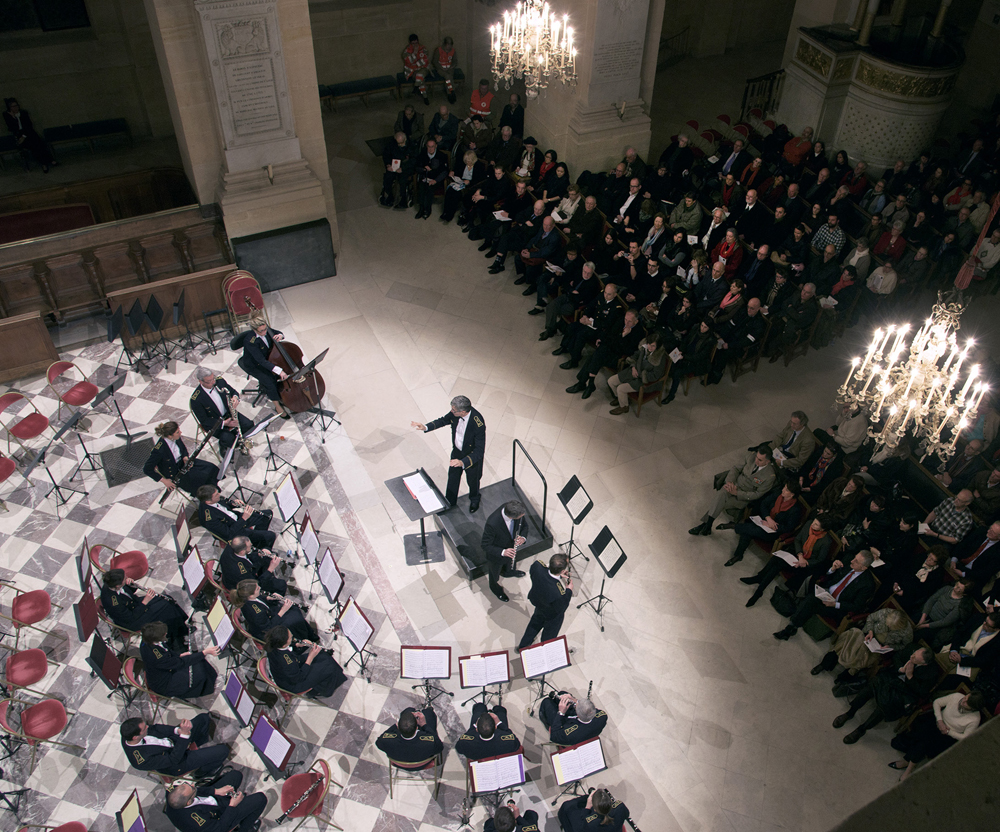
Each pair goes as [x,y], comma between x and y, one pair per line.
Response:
[287,498]
[426,663]
[578,502]
[276,748]
[497,669]
[329,576]
[422,491]
[485,776]
[192,570]
[355,626]
[310,543]
[579,763]
[509,771]
[474,672]
[544,658]
[183,535]
[245,707]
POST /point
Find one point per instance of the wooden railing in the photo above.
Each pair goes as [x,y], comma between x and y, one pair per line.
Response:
[763,93]
[69,275]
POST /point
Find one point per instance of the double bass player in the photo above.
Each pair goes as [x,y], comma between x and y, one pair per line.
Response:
[257,346]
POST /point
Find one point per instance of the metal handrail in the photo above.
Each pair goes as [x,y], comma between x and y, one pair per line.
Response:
[513,475]
[768,100]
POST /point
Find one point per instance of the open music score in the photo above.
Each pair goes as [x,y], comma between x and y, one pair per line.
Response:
[578,761]
[355,625]
[84,566]
[238,699]
[424,662]
[545,657]
[271,744]
[220,625]
[308,539]
[288,497]
[182,533]
[484,669]
[330,577]
[130,817]
[496,773]
[193,572]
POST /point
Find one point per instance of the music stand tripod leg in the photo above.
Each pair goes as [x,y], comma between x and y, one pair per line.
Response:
[89,459]
[431,691]
[602,601]
[273,465]
[572,544]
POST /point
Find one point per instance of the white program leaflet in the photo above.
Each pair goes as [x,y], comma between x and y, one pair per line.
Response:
[676,355]
[964,671]
[309,541]
[424,494]
[758,520]
[692,239]
[329,576]
[245,707]
[873,645]
[578,502]
[277,747]
[787,557]
[923,528]
[877,563]
[355,626]
[286,495]
[192,570]
[823,595]
[426,663]
[578,763]
[499,216]
[544,658]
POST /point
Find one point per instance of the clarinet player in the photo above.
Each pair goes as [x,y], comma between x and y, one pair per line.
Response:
[212,400]
[169,457]
[501,537]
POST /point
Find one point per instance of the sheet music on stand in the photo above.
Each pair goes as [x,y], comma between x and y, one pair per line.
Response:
[484,669]
[429,662]
[226,462]
[496,773]
[288,497]
[193,572]
[330,577]
[130,817]
[238,699]
[308,539]
[355,625]
[422,492]
[220,626]
[545,657]
[271,745]
[182,533]
[260,427]
[578,761]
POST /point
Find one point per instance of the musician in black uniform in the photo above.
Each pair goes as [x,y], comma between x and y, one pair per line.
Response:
[549,597]
[257,345]
[569,719]
[166,750]
[260,615]
[489,735]
[182,675]
[413,739]
[597,810]
[227,518]
[170,455]
[217,807]
[468,445]
[299,667]
[132,611]
[239,561]
[510,819]
[498,543]
[211,401]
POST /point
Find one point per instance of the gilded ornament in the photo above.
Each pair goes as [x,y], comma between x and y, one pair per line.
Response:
[842,69]
[909,86]
[817,60]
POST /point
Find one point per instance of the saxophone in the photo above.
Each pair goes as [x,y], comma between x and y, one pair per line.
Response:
[245,445]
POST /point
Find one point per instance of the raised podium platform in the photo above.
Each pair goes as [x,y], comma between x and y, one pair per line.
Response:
[463,531]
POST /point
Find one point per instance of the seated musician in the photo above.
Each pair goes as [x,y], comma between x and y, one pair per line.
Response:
[168,458]
[174,673]
[240,560]
[212,400]
[597,810]
[227,518]
[488,734]
[257,345]
[129,609]
[260,614]
[301,667]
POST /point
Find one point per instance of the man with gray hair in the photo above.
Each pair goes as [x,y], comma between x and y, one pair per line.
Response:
[468,446]
[571,720]
[213,399]
[501,537]
[216,807]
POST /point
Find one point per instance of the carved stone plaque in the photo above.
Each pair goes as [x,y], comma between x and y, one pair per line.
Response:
[619,42]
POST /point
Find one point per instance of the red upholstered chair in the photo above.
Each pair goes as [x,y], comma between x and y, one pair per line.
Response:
[124,634]
[264,672]
[215,582]
[72,826]
[7,467]
[22,428]
[132,670]
[78,394]
[236,616]
[134,563]
[39,723]
[397,770]
[27,609]
[297,785]
[26,668]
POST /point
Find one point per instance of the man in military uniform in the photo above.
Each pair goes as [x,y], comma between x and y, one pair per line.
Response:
[510,819]
[570,720]
[227,518]
[168,458]
[468,446]
[239,561]
[413,738]
[218,807]
[550,598]
[744,483]
[489,735]
[167,750]
[210,402]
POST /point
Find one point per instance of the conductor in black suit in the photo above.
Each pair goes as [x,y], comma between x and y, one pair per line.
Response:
[413,739]
[217,807]
[257,345]
[166,750]
[468,446]
[550,598]
[500,535]
[489,735]
[170,455]
[851,585]
[227,518]
[239,561]
[211,401]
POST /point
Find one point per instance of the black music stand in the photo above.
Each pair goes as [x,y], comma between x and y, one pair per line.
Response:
[134,321]
[308,372]
[15,804]
[154,316]
[577,502]
[40,459]
[607,551]
[431,691]
[106,665]
[180,321]
[538,675]
[89,459]
[116,324]
[109,393]
[422,548]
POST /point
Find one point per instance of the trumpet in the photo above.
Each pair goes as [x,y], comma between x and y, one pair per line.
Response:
[245,445]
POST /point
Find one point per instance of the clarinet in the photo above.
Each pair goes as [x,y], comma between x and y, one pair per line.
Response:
[297,803]
[590,687]
[191,459]
[273,596]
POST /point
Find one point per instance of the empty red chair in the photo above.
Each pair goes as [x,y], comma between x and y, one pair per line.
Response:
[756,113]
[135,564]
[770,124]
[298,784]
[39,723]
[26,668]
[79,394]
[692,124]
[743,130]
[72,826]
[725,119]
[27,609]
[24,428]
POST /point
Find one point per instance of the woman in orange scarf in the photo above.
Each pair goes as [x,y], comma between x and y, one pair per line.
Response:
[812,550]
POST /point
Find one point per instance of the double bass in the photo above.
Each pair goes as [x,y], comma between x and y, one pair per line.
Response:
[304,393]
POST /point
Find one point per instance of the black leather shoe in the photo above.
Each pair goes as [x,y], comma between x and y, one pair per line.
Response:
[733,560]
[560,351]
[570,365]
[579,387]
[787,633]
[496,268]
[753,599]
[706,527]
[589,391]
[545,335]
[444,219]
[501,595]
[854,736]
[725,526]
[419,215]
[817,670]
[517,573]
[485,246]
[538,310]
[522,279]
[473,508]
[841,721]
[530,290]
[491,253]
[697,529]
[750,581]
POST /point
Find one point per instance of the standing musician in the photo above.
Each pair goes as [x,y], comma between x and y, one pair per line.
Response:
[301,667]
[549,597]
[172,673]
[257,346]
[260,615]
[227,518]
[127,609]
[212,400]
[500,544]
[468,446]
[170,455]
[240,561]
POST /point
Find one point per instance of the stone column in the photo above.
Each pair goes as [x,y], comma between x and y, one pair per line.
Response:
[942,13]
[869,21]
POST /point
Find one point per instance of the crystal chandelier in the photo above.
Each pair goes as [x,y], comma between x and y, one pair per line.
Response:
[533,44]
[921,392]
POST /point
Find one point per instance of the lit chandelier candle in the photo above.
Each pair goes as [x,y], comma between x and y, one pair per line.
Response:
[533,45]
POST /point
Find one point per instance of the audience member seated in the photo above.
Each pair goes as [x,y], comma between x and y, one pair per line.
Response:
[228,518]
[733,302]
[986,428]
[481,101]
[952,718]
[614,345]
[489,196]
[543,247]
[575,296]
[744,483]
[920,232]
[951,520]
[796,151]
[794,444]
[687,215]
[839,500]
[474,135]
[961,467]
[399,165]
[831,233]
[597,810]
[733,164]
[811,547]
[896,211]
[819,470]
[985,488]
[975,649]
[216,807]
[505,150]
[497,233]
[444,129]
[645,367]
[731,195]
[757,272]
[568,205]
[741,332]
[819,192]
[918,577]
[411,124]
[416,62]
[978,555]
[301,667]
[892,244]
[260,614]
[168,750]
[875,199]
[414,737]
[793,320]
[695,356]
[512,116]
[558,277]
[677,160]
[571,720]
[553,189]
[779,515]
[714,231]
[20,127]
[173,673]
[886,627]
[127,609]
[824,271]
[445,62]
[914,269]
[856,181]
[944,612]
[602,315]
[488,734]
[466,172]
[431,168]
[868,527]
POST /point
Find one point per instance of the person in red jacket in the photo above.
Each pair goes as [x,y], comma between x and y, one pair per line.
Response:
[415,63]
[892,244]
[729,252]
[481,101]
[445,62]
[796,149]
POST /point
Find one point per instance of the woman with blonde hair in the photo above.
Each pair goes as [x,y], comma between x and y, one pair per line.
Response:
[261,613]
[170,456]
[257,344]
